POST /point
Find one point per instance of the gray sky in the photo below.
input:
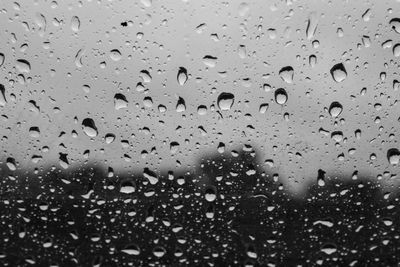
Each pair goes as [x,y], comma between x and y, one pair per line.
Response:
[68,46]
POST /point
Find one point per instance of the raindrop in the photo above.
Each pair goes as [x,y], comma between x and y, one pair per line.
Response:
[115,55]
[286,74]
[396,50]
[120,101]
[2,59]
[3,100]
[145,75]
[210,194]
[395,24]
[225,101]
[23,66]
[210,61]
[131,249]
[335,109]
[11,164]
[281,96]
[393,156]
[159,251]
[329,249]
[182,76]
[338,73]
[75,23]
[180,105]
[127,187]
[89,127]
[109,138]
[311,25]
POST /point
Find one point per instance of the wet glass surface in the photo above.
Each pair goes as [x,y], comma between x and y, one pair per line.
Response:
[202,133]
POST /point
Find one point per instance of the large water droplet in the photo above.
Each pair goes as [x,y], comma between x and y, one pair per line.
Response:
[23,66]
[396,50]
[89,127]
[127,187]
[311,25]
[115,55]
[393,156]
[395,24]
[180,105]
[2,58]
[225,101]
[131,249]
[243,9]
[120,101]
[338,73]
[286,74]
[11,164]
[281,96]
[210,61]
[75,23]
[182,76]
[335,109]
[3,100]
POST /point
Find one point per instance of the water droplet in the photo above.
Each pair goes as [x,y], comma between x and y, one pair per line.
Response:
[115,55]
[338,73]
[180,105]
[109,138]
[2,59]
[210,61]
[23,66]
[131,249]
[89,127]
[329,249]
[159,251]
[396,50]
[150,176]
[210,194]
[182,76]
[127,187]
[263,108]
[145,75]
[367,14]
[335,109]
[120,101]
[243,9]
[286,74]
[311,25]
[395,24]
[3,100]
[10,162]
[225,101]
[75,23]
[34,132]
[281,96]
[393,156]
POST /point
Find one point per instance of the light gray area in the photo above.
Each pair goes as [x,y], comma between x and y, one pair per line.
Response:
[70,44]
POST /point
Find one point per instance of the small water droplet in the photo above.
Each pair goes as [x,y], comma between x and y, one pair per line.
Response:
[338,73]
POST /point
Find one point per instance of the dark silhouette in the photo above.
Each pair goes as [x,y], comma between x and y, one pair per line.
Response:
[226,212]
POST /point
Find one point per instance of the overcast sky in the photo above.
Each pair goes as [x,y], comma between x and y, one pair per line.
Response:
[72,58]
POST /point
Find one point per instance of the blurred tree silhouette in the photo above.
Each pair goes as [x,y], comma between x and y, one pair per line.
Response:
[226,212]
